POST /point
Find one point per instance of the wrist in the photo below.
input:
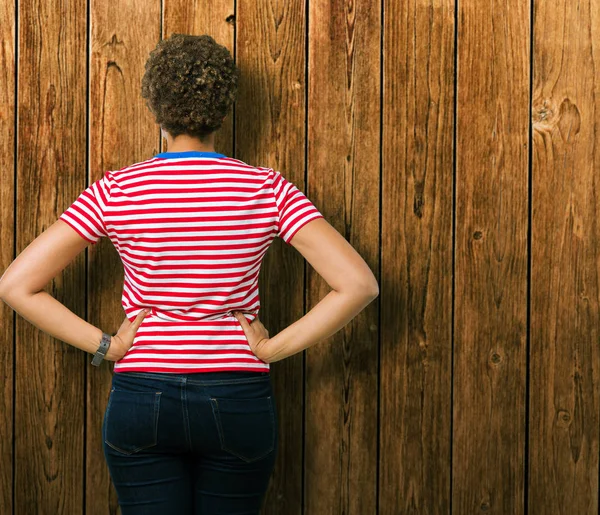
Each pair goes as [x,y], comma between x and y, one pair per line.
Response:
[102,349]
[110,353]
[264,351]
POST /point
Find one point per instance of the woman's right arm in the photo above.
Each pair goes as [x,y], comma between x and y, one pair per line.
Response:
[353,287]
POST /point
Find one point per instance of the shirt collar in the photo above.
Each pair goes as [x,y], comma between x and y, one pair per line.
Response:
[188,153]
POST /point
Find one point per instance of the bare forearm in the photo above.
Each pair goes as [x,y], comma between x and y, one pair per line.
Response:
[54,318]
[332,313]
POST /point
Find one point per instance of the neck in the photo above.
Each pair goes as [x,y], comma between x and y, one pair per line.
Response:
[184,143]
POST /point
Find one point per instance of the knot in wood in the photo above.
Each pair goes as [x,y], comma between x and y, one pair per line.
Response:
[543,112]
[563,418]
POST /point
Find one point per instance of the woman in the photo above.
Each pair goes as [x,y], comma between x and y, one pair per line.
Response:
[191,423]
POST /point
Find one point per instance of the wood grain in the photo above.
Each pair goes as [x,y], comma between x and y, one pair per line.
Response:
[269,132]
[416,250]
[490,323]
[8,69]
[49,396]
[565,267]
[122,131]
[344,100]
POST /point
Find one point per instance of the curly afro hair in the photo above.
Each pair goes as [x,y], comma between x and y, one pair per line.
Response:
[190,84]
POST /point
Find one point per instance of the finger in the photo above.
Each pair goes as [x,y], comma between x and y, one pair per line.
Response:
[242,320]
[139,318]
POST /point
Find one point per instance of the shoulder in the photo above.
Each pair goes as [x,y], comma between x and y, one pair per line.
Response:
[242,165]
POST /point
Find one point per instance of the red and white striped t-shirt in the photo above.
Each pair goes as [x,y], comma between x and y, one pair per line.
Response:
[191,229]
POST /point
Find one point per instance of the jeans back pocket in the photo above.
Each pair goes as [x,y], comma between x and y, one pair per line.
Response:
[131,421]
[246,427]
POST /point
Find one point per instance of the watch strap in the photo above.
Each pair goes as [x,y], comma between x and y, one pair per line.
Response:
[101,352]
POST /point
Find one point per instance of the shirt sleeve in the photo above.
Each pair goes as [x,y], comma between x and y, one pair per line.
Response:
[86,214]
[294,208]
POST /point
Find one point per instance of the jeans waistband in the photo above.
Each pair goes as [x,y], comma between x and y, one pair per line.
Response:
[227,377]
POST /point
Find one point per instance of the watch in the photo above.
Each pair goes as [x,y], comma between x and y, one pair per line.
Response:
[101,352]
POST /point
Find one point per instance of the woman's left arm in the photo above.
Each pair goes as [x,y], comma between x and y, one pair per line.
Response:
[21,287]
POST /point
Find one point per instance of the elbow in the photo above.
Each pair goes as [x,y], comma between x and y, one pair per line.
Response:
[370,286]
[376,290]
[4,287]
[368,290]
[6,297]
[8,292]
[14,289]
[3,290]
[373,290]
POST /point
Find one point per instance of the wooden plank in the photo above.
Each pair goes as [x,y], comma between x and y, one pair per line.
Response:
[122,132]
[565,260]
[343,181]
[416,250]
[270,51]
[8,69]
[490,324]
[49,397]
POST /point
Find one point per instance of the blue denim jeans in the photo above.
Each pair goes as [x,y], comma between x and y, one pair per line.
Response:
[201,443]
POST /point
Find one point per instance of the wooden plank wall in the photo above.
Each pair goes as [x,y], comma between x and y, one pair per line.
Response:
[416,258]
[8,68]
[451,142]
[565,259]
[49,375]
[490,297]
